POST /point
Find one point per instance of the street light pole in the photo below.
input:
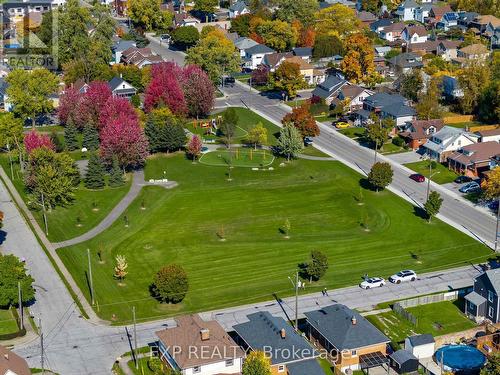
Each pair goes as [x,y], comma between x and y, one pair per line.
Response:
[498,219]
[90,279]
[20,296]
[296,300]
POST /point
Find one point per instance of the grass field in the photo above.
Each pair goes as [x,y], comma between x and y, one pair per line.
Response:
[86,211]
[238,157]
[436,318]
[443,177]
[8,323]
[318,198]
[355,132]
[247,120]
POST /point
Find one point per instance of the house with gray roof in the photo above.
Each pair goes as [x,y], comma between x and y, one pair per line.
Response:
[255,54]
[483,303]
[345,333]
[405,62]
[244,43]
[406,10]
[329,89]
[288,351]
[120,87]
[304,53]
[238,9]
[118,48]
[448,140]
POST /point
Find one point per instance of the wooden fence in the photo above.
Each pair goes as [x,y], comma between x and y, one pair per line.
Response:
[457,119]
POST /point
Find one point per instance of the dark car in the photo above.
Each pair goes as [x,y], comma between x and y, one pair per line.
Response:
[493,205]
[471,187]
[417,177]
[308,141]
[462,179]
[229,81]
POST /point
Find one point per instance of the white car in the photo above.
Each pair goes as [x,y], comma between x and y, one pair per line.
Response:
[372,282]
[402,276]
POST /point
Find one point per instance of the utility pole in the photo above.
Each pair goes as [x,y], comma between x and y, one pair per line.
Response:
[45,217]
[20,296]
[429,181]
[41,344]
[376,140]
[90,279]
[10,161]
[296,300]
[498,219]
[135,340]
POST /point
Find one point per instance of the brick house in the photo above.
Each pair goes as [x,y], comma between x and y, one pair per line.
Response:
[418,132]
[473,159]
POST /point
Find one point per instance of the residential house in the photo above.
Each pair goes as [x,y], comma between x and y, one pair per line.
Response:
[380,24]
[451,88]
[401,114]
[291,353]
[381,51]
[485,23]
[376,102]
[421,49]
[119,47]
[182,348]
[414,34]
[12,364]
[273,60]
[255,54]
[465,18]
[405,62]
[446,141]
[495,39]
[483,302]
[406,10]
[329,89]
[304,53]
[437,12]
[448,21]
[447,49]
[472,52]
[238,8]
[473,159]
[386,106]
[184,19]
[417,132]
[355,95]
[311,75]
[489,135]
[244,43]
[422,12]
[140,57]
[120,87]
[366,18]
[356,343]
[421,346]
[392,32]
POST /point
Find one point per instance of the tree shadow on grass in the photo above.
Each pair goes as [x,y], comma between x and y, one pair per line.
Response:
[365,184]
[420,212]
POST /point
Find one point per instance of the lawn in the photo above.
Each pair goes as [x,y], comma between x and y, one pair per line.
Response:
[436,318]
[319,200]
[86,211]
[8,323]
[247,120]
[238,157]
[313,151]
[443,177]
[355,132]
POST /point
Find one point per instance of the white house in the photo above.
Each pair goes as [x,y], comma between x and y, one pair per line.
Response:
[406,10]
[448,21]
[448,140]
[392,32]
[421,346]
[414,34]
[447,49]
[237,9]
[118,49]
[243,43]
[254,55]
[177,347]
[120,87]
[422,12]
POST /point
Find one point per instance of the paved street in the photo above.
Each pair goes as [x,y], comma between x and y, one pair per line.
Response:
[456,211]
[165,52]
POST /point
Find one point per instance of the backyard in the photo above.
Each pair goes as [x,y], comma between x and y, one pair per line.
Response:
[373,234]
[440,173]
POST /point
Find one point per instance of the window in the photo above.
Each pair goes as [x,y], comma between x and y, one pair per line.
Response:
[281,368]
[196,369]
[354,353]
[229,362]
[490,312]
[490,295]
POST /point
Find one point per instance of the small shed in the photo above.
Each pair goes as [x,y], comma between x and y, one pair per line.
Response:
[403,362]
[421,346]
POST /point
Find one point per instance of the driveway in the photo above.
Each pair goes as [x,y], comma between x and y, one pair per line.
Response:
[405,157]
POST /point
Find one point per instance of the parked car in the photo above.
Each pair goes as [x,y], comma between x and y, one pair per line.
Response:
[229,81]
[493,205]
[471,187]
[204,149]
[308,141]
[402,276]
[417,177]
[341,125]
[462,179]
[165,38]
[372,282]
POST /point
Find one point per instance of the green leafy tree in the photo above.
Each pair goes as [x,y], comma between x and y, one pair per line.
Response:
[29,91]
[472,80]
[56,141]
[327,45]
[290,141]
[489,103]
[241,25]
[12,272]
[411,84]
[120,267]
[492,367]
[94,177]
[277,34]
[428,106]
[165,132]
[229,124]
[257,135]
[90,137]
[116,174]
[318,265]
[185,36]
[146,14]
[288,78]
[11,134]
[256,363]
[170,284]
[433,204]
[380,175]
[206,6]
[291,10]
[71,136]
[378,130]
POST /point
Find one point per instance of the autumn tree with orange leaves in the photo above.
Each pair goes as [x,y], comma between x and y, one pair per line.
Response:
[302,119]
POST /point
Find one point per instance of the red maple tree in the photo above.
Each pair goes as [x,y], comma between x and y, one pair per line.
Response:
[34,140]
[303,120]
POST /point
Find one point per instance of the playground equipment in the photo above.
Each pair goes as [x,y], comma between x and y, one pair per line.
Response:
[209,126]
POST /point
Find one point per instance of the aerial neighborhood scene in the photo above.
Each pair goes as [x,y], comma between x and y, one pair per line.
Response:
[250,187]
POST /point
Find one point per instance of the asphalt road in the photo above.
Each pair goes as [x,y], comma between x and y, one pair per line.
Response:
[455,210]
[165,52]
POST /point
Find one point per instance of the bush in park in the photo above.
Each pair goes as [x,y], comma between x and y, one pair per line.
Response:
[170,284]
[318,265]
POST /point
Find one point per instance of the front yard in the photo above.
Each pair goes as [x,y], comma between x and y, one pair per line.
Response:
[440,173]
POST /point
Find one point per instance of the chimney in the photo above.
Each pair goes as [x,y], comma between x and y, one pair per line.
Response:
[205,334]
[283,333]
[353,320]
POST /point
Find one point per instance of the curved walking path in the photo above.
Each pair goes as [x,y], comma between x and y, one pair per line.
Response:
[138,182]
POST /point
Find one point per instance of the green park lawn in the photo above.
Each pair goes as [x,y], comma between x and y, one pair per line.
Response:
[8,323]
[247,120]
[85,212]
[437,319]
[320,200]
[444,176]
[238,157]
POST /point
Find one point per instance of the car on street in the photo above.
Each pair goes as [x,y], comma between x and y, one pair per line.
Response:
[341,124]
[471,187]
[372,282]
[229,81]
[308,141]
[165,38]
[403,276]
[462,179]
[417,177]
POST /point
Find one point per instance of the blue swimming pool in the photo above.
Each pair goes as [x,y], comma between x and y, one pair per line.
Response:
[460,357]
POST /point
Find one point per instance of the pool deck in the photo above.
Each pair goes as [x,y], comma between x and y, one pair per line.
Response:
[429,364]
